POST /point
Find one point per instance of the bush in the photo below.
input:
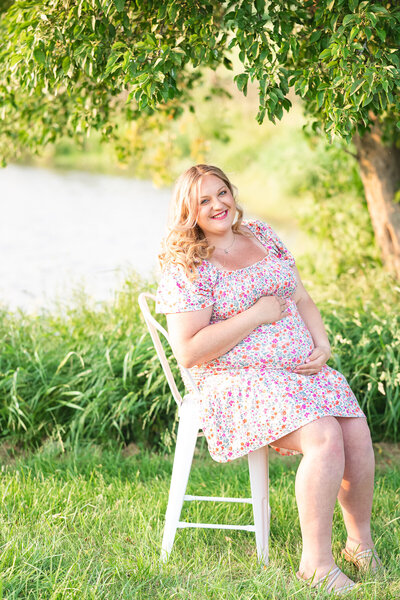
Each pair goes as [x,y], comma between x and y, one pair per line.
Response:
[366,349]
[90,372]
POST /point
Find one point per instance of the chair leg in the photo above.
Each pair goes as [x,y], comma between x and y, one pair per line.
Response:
[188,429]
[259,482]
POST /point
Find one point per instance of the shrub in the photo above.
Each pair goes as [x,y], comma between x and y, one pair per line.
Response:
[89,372]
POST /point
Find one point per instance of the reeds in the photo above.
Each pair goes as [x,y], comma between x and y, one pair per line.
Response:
[89,372]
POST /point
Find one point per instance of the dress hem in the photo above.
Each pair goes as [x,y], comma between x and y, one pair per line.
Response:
[286,452]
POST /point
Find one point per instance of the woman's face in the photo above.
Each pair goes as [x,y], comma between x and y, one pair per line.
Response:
[216,208]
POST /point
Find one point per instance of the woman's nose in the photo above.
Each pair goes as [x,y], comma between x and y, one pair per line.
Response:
[217,202]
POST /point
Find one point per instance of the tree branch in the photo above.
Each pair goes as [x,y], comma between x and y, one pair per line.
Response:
[351,153]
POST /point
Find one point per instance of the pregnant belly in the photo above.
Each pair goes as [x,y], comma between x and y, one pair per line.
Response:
[281,345]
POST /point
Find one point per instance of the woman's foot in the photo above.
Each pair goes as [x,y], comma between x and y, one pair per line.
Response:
[330,578]
[363,554]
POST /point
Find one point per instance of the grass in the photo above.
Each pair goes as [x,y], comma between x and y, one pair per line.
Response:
[88,524]
[89,372]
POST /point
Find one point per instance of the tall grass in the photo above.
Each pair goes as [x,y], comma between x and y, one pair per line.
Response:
[366,349]
[82,372]
[89,372]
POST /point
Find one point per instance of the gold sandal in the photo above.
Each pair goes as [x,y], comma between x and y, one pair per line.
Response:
[326,582]
[363,559]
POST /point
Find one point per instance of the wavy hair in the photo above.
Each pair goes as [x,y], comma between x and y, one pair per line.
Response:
[185,243]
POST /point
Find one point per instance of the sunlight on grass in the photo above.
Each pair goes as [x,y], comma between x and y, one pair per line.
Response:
[88,524]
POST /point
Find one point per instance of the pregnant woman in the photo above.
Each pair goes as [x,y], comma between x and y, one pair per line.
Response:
[241,320]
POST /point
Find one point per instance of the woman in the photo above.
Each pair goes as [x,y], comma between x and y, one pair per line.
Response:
[240,319]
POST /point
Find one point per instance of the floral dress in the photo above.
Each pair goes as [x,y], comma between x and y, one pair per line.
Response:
[250,396]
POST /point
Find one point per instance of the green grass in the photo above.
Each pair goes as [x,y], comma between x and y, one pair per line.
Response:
[88,525]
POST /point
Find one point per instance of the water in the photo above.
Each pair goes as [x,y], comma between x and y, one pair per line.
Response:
[59,231]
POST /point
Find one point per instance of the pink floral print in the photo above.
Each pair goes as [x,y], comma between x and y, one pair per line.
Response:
[250,396]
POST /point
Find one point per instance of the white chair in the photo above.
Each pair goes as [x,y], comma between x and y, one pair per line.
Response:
[188,431]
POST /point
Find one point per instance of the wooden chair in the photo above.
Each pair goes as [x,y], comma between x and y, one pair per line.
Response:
[189,428]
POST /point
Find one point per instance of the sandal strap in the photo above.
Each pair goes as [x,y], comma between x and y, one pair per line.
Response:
[369,553]
[363,558]
[332,578]
[363,554]
[328,579]
[345,588]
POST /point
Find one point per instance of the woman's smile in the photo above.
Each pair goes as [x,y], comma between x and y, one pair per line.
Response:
[220,215]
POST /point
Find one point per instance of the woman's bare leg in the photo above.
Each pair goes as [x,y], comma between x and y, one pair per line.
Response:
[318,481]
[356,490]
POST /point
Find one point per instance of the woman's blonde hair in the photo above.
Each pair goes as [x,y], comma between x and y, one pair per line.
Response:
[186,244]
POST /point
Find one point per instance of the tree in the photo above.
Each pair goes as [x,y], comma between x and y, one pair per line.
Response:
[69,66]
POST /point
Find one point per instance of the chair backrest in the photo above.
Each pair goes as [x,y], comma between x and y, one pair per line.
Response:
[155,328]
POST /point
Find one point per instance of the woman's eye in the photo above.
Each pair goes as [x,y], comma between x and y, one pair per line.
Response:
[204,201]
[222,192]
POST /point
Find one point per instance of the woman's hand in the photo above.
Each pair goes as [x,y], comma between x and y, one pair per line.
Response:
[315,361]
[271,309]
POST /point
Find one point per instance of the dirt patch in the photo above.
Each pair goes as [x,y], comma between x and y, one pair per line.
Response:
[387,454]
[130,450]
[10,452]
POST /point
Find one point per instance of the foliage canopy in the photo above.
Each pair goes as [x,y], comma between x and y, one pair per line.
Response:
[67,67]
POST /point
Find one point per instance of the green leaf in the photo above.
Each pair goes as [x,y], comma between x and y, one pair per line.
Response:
[347,19]
[320,99]
[381,34]
[274,98]
[66,63]
[119,5]
[15,59]
[39,56]
[260,6]
[227,63]
[356,86]
[304,88]
[367,100]
[325,54]
[337,80]
[241,82]
[354,32]
[315,36]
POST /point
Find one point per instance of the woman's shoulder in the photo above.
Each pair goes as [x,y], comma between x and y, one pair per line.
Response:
[257,226]
[175,271]
[270,238]
[177,292]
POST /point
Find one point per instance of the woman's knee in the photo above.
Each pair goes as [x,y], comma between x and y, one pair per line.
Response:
[356,436]
[324,436]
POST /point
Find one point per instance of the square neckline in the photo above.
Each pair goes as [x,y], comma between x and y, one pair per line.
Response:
[246,225]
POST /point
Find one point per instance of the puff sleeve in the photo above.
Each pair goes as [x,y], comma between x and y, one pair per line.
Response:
[176,293]
[273,242]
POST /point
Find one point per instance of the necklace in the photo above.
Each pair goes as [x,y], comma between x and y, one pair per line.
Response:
[226,250]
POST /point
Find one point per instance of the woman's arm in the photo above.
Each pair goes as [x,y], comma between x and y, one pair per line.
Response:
[195,341]
[312,318]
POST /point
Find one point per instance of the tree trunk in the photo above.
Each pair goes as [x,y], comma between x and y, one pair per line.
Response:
[380,174]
